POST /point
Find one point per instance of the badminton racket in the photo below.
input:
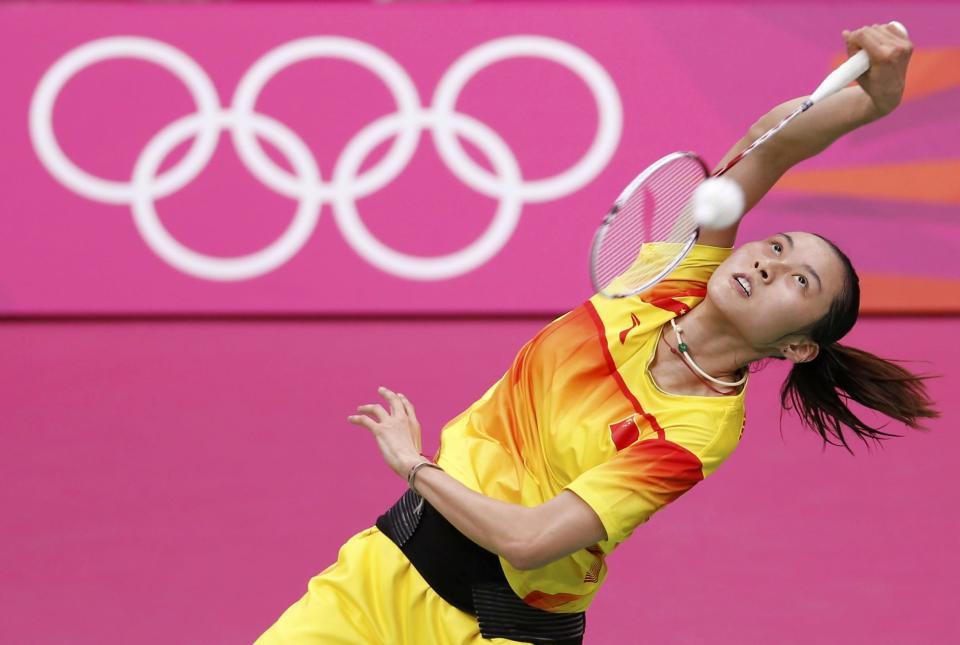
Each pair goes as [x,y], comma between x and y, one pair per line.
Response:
[656,206]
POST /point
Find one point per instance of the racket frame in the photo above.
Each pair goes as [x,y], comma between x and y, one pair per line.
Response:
[848,72]
[615,210]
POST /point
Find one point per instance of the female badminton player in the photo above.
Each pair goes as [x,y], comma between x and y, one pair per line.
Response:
[600,421]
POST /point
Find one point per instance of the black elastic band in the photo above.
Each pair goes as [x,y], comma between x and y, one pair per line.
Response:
[449,561]
[470,578]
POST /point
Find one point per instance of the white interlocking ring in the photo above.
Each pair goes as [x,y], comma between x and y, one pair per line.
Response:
[216,268]
[418,268]
[117,192]
[400,85]
[539,190]
[305,184]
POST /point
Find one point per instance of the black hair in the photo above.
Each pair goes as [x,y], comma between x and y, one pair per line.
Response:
[820,390]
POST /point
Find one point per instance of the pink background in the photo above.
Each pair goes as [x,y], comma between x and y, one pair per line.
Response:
[689,76]
[180,478]
[179,482]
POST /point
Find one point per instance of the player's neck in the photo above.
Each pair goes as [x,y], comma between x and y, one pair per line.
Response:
[717,346]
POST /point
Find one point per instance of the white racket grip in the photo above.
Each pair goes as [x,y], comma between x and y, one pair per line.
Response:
[839,78]
[850,71]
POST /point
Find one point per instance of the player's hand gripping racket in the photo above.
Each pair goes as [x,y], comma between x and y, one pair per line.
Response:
[657,206]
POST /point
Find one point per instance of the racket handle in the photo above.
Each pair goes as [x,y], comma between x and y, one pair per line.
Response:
[851,70]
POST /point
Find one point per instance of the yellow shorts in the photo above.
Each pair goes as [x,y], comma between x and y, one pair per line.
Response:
[373,595]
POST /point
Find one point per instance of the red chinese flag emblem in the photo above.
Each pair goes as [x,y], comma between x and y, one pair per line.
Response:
[625,432]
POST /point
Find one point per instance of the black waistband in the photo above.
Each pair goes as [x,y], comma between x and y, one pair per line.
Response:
[470,578]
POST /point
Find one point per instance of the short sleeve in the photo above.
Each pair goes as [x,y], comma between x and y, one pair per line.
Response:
[638,481]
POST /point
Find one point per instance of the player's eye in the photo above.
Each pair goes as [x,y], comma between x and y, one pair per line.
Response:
[802,281]
[777,247]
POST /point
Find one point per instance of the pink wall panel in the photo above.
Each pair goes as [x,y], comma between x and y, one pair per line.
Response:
[181,481]
[103,213]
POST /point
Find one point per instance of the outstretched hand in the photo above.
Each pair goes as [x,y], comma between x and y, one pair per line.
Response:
[397,431]
[889,50]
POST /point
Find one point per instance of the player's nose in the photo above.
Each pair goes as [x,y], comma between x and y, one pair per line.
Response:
[764,274]
[767,269]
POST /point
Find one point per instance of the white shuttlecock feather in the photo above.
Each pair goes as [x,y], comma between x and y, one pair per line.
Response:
[717,202]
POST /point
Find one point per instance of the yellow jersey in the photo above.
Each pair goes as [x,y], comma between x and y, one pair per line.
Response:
[579,411]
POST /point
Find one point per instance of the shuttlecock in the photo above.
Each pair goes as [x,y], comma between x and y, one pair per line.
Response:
[717,202]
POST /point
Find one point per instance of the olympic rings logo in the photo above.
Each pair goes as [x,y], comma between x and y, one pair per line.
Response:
[305,185]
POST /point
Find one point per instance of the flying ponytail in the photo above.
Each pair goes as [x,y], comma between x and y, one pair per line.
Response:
[819,390]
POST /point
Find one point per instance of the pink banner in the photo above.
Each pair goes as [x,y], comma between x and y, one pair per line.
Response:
[306,158]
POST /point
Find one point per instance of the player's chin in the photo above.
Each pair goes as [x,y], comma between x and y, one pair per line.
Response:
[725,292]
[727,297]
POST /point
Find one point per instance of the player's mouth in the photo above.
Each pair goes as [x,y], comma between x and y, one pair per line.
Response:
[742,284]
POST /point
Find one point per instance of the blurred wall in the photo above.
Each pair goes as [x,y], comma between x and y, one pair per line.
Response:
[179,482]
[178,350]
[343,158]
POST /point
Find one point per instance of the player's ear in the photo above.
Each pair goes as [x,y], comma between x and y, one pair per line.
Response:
[800,351]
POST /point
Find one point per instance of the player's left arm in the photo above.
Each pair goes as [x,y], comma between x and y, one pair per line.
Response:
[527,537]
[878,93]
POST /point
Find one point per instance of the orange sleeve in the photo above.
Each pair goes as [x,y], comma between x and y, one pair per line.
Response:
[638,481]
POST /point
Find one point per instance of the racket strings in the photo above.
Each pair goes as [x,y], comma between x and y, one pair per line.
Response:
[636,223]
[656,210]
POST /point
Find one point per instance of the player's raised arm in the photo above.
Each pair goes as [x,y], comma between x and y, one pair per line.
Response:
[878,92]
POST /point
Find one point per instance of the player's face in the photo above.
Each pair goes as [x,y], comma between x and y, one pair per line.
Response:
[777,287]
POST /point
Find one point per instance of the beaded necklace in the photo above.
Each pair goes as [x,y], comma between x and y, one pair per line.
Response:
[685,354]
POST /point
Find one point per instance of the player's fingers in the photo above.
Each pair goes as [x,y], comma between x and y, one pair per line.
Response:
[414,424]
[897,39]
[893,30]
[856,40]
[362,420]
[873,41]
[375,410]
[882,44]
[411,411]
[852,46]
[396,406]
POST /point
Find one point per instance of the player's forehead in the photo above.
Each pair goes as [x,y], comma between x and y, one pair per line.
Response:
[804,238]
